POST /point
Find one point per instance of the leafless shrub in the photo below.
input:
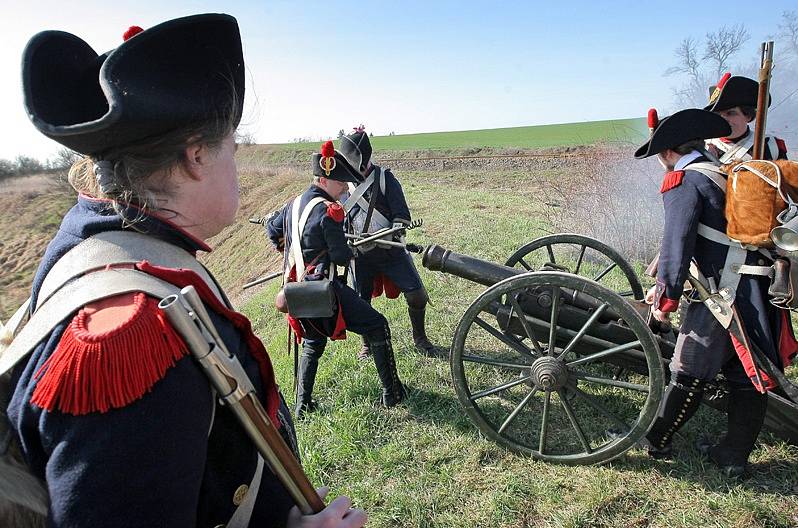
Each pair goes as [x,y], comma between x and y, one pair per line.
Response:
[610,198]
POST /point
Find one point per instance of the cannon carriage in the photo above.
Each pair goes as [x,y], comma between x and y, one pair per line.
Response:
[557,358]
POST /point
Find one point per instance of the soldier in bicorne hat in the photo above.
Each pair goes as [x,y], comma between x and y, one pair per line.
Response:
[379,200]
[693,194]
[111,413]
[734,98]
[323,247]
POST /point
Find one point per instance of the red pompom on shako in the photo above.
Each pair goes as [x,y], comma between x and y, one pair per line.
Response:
[327,161]
[328,149]
[653,119]
[131,32]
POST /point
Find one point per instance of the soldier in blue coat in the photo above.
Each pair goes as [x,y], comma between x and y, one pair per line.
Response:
[379,269]
[109,410]
[323,246]
[734,98]
[693,194]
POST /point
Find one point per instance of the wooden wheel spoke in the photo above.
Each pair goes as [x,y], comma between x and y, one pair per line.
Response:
[574,422]
[579,259]
[527,327]
[601,409]
[555,313]
[604,272]
[499,388]
[494,362]
[550,251]
[524,264]
[604,353]
[582,331]
[508,340]
[520,407]
[610,382]
[544,423]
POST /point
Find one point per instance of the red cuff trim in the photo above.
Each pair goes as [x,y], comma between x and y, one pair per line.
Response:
[782,145]
[668,305]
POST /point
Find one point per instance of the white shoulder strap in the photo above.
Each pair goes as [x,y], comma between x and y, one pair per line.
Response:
[355,193]
[712,172]
[74,282]
[298,222]
[734,151]
[73,296]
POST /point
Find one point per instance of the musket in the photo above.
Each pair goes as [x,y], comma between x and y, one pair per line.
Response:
[765,71]
[187,314]
[261,280]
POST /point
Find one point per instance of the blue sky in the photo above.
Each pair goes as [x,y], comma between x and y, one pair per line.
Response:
[411,66]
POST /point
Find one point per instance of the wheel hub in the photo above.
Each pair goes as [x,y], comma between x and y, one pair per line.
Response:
[549,373]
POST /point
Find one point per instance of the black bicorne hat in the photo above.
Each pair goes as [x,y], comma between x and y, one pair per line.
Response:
[332,165]
[733,91]
[681,127]
[356,148]
[175,74]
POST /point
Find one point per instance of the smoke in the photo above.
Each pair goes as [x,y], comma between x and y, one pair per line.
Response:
[612,198]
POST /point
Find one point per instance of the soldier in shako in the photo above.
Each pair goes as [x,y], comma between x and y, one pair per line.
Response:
[734,98]
[111,413]
[378,202]
[693,194]
[319,234]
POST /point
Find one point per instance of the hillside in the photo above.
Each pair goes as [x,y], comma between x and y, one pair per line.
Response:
[424,464]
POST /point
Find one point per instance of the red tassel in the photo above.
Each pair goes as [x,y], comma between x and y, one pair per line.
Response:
[183,277]
[96,372]
[131,32]
[671,180]
[328,149]
[723,80]
[653,119]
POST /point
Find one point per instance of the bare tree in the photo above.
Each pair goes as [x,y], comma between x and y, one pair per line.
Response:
[64,159]
[689,61]
[723,44]
[788,33]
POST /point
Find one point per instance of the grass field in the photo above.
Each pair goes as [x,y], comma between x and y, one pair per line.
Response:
[530,137]
[424,464]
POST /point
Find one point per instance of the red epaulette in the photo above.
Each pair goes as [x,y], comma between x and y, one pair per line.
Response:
[781,145]
[335,211]
[101,363]
[672,179]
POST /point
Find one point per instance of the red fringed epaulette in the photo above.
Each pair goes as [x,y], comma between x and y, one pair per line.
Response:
[781,145]
[335,211]
[98,369]
[672,179]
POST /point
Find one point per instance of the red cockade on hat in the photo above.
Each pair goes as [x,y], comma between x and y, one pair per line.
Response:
[723,80]
[327,161]
[653,119]
[131,32]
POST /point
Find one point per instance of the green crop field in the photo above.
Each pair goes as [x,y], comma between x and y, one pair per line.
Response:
[529,137]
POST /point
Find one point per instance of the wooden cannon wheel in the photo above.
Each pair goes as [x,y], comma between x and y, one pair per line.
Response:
[535,374]
[579,255]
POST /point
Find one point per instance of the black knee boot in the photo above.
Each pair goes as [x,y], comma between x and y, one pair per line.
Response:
[420,339]
[681,401]
[365,351]
[380,345]
[306,378]
[746,414]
